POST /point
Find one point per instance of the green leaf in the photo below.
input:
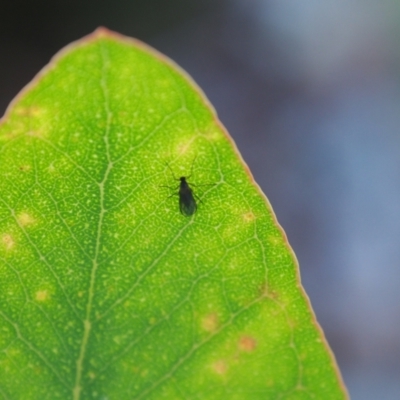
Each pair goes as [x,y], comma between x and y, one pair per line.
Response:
[107,291]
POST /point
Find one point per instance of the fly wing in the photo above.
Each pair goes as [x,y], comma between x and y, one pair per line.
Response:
[187,203]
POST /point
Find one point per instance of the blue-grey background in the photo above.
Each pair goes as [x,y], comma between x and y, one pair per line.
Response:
[310,91]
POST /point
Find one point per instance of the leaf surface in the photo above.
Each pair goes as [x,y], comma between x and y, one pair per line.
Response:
[107,291]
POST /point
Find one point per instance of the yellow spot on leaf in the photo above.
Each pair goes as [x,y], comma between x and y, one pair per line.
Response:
[25,219]
[249,217]
[220,367]
[8,241]
[210,322]
[31,111]
[42,295]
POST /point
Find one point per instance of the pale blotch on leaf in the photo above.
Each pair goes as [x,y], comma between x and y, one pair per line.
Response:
[51,168]
[210,322]
[184,147]
[247,343]
[274,240]
[267,292]
[10,135]
[293,324]
[220,367]
[229,233]
[144,373]
[212,134]
[35,134]
[24,219]
[8,241]
[12,352]
[42,295]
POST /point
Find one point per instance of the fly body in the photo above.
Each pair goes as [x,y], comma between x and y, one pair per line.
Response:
[187,202]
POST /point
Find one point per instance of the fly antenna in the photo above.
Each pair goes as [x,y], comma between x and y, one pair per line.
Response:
[172,172]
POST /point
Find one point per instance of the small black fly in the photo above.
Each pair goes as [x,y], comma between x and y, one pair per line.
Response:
[187,201]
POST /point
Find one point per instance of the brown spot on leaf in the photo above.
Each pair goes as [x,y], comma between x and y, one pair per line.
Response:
[25,168]
[247,343]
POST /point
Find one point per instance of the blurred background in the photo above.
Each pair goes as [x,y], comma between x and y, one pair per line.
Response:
[310,92]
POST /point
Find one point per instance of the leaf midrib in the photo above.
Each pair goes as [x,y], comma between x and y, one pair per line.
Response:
[87,324]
